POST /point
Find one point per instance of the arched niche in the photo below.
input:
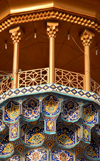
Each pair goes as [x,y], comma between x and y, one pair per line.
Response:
[90,116]
[68,136]
[6,147]
[51,106]
[11,112]
[71,111]
[31,109]
[92,150]
[34,137]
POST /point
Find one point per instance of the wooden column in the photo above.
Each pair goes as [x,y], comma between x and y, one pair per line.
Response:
[52,28]
[16,37]
[86,38]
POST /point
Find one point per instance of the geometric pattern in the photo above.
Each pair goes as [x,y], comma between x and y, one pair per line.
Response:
[20,149]
[49,144]
[31,113]
[78,150]
[58,16]
[54,88]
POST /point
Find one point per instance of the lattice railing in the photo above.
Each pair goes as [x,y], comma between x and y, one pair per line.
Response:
[95,87]
[69,78]
[41,76]
[5,85]
[33,77]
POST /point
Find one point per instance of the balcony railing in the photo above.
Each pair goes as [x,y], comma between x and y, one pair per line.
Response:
[41,76]
[5,85]
[95,87]
[33,77]
[69,78]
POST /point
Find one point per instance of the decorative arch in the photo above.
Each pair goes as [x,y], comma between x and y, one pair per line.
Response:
[51,106]
[11,112]
[71,111]
[90,116]
[65,137]
[31,109]
[6,147]
[34,137]
[92,150]
[68,135]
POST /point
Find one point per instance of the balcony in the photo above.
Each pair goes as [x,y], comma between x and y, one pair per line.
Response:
[41,76]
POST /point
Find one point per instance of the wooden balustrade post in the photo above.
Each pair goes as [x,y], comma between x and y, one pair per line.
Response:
[52,28]
[86,38]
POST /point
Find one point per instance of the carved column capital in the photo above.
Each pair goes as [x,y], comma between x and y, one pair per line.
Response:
[52,28]
[86,37]
[16,34]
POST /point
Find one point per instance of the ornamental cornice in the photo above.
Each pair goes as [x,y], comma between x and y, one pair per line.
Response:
[12,93]
[49,15]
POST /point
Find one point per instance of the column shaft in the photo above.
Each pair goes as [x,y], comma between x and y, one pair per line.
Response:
[51,60]
[15,65]
[86,38]
[16,34]
[52,29]
[87,68]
